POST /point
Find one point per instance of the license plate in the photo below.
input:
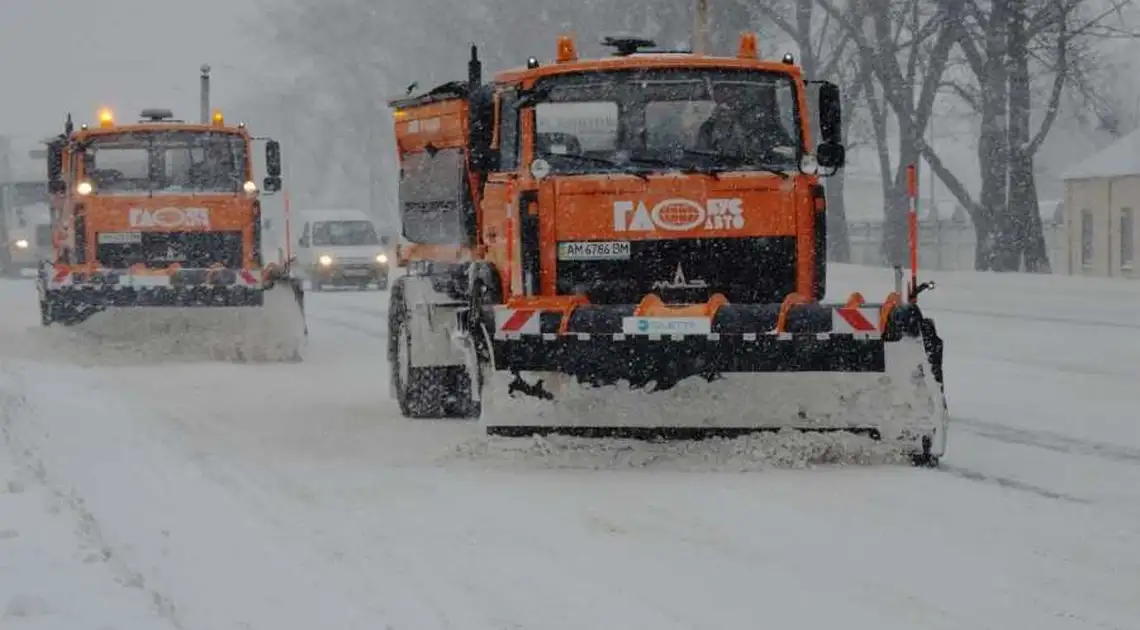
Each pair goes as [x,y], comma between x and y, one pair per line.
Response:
[357,272]
[120,238]
[594,250]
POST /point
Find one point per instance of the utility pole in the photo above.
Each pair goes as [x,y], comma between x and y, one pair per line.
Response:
[701,27]
[205,83]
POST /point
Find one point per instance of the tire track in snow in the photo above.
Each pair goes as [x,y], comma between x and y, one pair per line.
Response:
[67,499]
[1012,484]
[1049,441]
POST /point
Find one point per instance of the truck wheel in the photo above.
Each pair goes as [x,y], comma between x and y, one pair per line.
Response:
[418,389]
[45,313]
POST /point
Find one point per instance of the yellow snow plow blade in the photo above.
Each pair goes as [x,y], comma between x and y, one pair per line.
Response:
[234,315]
[612,371]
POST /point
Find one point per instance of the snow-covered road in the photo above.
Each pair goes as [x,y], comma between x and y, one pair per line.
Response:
[295,496]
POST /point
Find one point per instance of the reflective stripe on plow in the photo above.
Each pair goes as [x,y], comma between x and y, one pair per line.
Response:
[517,320]
[855,319]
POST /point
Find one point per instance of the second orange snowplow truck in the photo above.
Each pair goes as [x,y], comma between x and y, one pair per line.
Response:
[157,229]
[634,246]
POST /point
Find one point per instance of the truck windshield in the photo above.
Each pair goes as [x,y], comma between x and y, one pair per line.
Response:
[721,119]
[344,233]
[166,162]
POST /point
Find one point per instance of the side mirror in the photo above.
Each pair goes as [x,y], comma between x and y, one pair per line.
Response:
[831,155]
[55,162]
[271,184]
[273,158]
[57,186]
[830,114]
[384,240]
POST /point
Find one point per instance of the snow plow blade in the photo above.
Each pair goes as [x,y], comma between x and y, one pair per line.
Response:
[237,315]
[717,370]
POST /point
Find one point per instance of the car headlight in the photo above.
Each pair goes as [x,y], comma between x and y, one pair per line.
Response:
[325,260]
[22,244]
[381,258]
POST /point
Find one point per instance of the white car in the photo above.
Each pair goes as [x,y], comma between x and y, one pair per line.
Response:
[342,248]
[25,227]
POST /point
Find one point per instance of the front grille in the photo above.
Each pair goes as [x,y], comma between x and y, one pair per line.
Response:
[745,270]
[162,249]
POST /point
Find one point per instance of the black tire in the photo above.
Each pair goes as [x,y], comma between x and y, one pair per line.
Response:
[423,392]
[45,313]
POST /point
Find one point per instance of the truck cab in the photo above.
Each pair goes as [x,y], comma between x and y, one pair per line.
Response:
[157,193]
[647,172]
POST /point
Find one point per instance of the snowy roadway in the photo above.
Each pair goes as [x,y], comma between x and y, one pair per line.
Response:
[223,496]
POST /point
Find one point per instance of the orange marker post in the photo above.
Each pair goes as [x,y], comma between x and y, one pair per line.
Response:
[912,227]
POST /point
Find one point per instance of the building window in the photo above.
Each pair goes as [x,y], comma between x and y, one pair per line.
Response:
[1126,238]
[1086,237]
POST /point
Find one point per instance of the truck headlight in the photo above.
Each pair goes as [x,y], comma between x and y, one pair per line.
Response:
[250,188]
[21,244]
[381,258]
[84,188]
[325,260]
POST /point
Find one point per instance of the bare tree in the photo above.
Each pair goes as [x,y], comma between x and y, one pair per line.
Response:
[904,44]
[1008,46]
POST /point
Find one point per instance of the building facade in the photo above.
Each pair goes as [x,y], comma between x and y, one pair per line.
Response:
[1102,199]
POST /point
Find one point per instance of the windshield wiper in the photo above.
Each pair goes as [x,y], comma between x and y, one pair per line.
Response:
[604,161]
[737,160]
[684,168]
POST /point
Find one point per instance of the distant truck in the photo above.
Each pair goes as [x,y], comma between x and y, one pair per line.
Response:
[342,248]
[25,226]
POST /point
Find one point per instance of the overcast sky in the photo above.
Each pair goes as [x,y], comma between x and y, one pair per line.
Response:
[125,54]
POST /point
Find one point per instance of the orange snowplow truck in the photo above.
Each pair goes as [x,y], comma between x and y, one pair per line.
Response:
[634,246]
[159,217]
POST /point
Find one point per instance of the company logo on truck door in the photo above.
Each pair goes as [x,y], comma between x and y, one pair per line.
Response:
[679,215]
[170,217]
